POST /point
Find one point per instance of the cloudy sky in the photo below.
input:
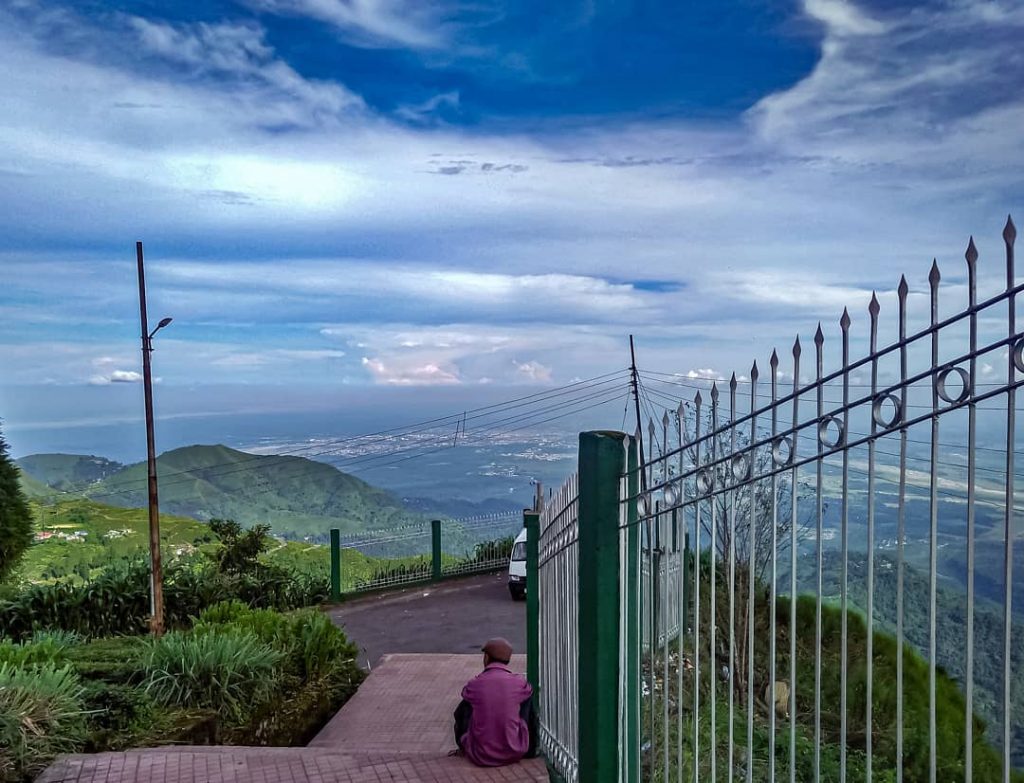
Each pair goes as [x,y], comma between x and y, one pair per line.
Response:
[339,193]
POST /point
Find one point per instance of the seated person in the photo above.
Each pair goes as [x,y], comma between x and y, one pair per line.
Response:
[494,723]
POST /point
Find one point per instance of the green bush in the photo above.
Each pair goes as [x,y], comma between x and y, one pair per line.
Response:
[320,645]
[311,643]
[117,601]
[229,672]
[116,659]
[41,715]
[43,647]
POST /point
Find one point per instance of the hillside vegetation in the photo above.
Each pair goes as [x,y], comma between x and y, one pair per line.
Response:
[950,707]
[68,472]
[87,537]
[297,497]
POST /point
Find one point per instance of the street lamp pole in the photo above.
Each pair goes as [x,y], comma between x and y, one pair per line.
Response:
[156,576]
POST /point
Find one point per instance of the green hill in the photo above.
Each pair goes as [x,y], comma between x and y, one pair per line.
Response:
[298,497]
[34,488]
[951,635]
[68,472]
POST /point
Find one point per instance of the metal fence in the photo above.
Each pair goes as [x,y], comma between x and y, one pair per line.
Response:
[558,594]
[785,492]
[463,551]
[814,571]
[382,559]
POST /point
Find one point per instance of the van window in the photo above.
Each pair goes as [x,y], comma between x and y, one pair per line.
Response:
[519,551]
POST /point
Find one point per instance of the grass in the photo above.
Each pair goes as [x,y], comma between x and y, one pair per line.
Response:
[227,672]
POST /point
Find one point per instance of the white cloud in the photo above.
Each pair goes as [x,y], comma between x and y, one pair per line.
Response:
[534,371]
[408,374]
[843,18]
[371,22]
[240,50]
[117,376]
[704,373]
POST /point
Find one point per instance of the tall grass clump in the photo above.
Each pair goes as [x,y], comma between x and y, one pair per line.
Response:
[229,672]
[311,644]
[42,647]
[41,716]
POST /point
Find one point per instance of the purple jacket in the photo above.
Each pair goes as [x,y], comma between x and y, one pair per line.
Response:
[497,735]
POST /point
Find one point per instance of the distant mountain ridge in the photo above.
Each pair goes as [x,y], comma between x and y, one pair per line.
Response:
[68,472]
[298,497]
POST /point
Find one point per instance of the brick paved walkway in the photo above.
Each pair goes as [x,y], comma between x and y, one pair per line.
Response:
[398,727]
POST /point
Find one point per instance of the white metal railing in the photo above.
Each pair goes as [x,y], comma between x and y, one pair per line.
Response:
[558,601]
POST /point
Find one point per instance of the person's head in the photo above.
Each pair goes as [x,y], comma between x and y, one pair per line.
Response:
[497,650]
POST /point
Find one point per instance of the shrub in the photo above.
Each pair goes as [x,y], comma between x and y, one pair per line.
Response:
[117,714]
[41,715]
[43,647]
[116,659]
[229,672]
[313,646]
[319,645]
[117,601]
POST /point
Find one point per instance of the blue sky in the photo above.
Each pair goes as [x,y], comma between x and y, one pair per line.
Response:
[336,193]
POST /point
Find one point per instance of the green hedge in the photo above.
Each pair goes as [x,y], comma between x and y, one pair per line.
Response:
[117,602]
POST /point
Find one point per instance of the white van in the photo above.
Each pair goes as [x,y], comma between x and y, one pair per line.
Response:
[517,568]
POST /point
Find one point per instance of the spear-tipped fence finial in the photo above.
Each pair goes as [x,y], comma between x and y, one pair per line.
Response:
[774,360]
[732,382]
[819,336]
[903,289]
[796,346]
[753,372]
[714,392]
[971,254]
[844,320]
[873,307]
[934,276]
[1009,231]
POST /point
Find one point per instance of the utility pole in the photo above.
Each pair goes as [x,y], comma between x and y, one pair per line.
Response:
[635,384]
[156,575]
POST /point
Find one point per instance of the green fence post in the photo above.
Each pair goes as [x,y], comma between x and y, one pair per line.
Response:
[632,604]
[435,549]
[531,521]
[335,564]
[602,462]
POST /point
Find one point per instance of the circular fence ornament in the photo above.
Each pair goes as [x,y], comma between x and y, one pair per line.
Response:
[705,482]
[965,385]
[643,505]
[782,451]
[740,467]
[878,411]
[1018,355]
[671,494]
[825,434]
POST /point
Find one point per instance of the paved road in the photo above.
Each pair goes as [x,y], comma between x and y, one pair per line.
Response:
[451,617]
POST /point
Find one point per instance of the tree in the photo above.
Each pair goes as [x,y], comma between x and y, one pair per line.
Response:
[15,516]
[741,503]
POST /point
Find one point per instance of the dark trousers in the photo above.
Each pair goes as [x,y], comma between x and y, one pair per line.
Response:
[464,714]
